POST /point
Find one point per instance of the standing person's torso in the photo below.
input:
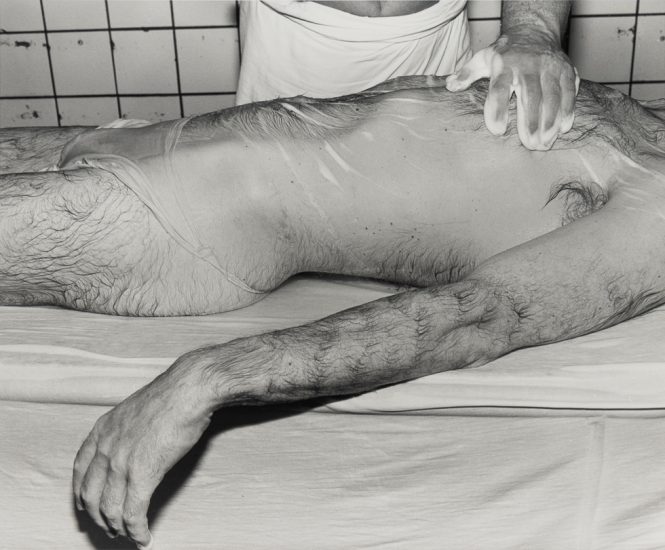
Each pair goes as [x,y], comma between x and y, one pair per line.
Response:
[378,8]
[292,47]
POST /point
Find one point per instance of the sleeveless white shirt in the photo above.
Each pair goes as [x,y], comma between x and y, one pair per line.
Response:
[291,47]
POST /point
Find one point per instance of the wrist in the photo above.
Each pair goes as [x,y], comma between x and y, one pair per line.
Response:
[189,374]
[535,19]
[226,375]
[530,35]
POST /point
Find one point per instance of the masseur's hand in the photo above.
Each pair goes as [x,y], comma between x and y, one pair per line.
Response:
[131,448]
[545,83]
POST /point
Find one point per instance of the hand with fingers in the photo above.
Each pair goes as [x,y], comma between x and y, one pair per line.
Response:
[131,448]
[544,81]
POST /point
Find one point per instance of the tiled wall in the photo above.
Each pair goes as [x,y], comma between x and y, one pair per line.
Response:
[90,61]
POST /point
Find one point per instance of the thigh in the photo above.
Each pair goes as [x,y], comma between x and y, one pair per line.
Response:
[33,149]
[77,238]
[84,240]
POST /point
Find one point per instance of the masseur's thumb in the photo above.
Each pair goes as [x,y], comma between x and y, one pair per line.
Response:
[479,66]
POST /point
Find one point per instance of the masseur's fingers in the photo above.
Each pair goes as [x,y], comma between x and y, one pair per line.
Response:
[479,66]
[92,486]
[497,104]
[529,99]
[570,85]
[550,111]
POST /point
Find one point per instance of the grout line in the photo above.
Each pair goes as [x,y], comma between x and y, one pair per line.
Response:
[177,62]
[144,29]
[235,26]
[50,63]
[628,14]
[238,34]
[632,53]
[198,94]
[113,67]
[184,94]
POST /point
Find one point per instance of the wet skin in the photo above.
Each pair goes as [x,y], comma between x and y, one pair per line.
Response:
[592,257]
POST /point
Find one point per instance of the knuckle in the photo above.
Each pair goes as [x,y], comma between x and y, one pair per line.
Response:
[117,465]
[112,513]
[131,519]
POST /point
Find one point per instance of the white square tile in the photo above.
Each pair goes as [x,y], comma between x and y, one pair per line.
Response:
[650,48]
[648,91]
[209,59]
[601,47]
[75,14]
[594,7]
[27,112]
[200,104]
[82,63]
[150,108]
[192,13]
[87,111]
[146,13]
[25,59]
[144,62]
[21,15]
[652,6]
[483,33]
[483,9]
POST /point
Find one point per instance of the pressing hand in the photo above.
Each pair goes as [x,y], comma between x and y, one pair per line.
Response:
[544,81]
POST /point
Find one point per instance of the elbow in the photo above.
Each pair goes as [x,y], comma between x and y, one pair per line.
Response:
[474,322]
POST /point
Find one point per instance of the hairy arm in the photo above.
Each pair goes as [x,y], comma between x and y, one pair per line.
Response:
[548,17]
[588,275]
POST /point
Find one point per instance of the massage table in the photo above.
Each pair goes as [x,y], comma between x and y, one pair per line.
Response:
[557,447]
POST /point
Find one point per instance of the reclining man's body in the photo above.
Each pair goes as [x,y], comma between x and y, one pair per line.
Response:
[395,185]
[516,248]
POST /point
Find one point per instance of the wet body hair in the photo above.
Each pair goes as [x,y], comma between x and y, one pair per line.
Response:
[597,111]
[108,288]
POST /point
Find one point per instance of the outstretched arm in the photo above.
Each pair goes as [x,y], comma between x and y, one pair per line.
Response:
[527,59]
[588,275]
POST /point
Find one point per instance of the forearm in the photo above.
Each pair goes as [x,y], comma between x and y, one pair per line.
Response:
[402,337]
[548,17]
[580,278]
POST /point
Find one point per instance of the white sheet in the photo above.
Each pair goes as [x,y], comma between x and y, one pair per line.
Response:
[345,481]
[489,458]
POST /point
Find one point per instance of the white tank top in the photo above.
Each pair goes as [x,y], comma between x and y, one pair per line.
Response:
[291,47]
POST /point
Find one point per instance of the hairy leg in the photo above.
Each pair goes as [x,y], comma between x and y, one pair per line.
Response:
[69,239]
[81,239]
[33,149]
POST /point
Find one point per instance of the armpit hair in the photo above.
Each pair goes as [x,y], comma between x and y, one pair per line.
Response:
[579,199]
